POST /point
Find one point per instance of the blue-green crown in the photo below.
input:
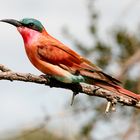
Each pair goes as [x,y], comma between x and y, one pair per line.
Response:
[32,23]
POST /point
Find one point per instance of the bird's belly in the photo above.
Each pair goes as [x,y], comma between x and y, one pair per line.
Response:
[54,70]
[59,73]
[50,69]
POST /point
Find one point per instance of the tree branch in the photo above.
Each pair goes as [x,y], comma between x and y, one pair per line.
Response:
[91,90]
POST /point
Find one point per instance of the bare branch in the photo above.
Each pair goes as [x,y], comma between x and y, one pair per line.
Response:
[91,90]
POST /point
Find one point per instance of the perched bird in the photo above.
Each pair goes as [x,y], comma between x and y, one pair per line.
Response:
[52,57]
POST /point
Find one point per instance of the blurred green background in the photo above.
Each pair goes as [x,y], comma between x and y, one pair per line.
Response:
[106,32]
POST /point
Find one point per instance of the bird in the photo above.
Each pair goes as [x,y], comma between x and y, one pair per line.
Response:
[57,60]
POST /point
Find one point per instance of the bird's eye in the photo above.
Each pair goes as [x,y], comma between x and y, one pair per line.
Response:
[31,24]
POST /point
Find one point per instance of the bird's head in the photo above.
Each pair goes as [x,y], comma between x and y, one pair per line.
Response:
[28,27]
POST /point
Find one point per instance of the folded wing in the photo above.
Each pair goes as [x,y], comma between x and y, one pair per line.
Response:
[69,60]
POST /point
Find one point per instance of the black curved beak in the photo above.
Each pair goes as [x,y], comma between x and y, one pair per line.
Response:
[12,21]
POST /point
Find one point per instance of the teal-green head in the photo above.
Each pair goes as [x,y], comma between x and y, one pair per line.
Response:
[29,28]
[26,22]
[32,23]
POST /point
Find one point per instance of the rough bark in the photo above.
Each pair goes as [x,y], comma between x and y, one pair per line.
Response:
[91,90]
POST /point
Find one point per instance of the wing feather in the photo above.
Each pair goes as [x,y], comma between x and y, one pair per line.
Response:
[71,61]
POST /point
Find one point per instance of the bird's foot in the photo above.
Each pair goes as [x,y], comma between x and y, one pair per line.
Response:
[96,89]
[45,76]
[49,78]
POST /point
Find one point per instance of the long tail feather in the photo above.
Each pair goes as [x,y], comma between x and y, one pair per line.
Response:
[119,90]
[112,87]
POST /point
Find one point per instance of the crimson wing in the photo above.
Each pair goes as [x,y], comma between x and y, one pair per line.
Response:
[69,60]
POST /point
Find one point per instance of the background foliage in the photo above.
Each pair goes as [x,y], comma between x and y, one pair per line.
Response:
[122,53]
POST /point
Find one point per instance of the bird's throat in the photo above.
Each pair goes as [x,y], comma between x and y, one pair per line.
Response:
[29,35]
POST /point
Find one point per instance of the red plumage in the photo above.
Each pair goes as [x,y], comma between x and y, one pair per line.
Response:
[50,50]
[54,58]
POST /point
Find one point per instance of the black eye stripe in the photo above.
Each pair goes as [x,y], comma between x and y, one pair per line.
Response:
[33,26]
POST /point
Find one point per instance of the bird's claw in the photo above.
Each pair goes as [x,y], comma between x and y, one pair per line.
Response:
[45,76]
[96,89]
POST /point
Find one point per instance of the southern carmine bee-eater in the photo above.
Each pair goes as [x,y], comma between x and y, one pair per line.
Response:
[52,57]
